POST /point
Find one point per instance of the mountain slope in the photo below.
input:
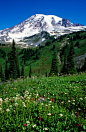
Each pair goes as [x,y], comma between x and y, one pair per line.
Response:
[38,23]
[40,57]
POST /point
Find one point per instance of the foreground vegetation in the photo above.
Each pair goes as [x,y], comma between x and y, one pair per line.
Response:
[54,104]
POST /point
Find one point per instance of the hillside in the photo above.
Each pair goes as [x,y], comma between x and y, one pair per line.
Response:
[40,57]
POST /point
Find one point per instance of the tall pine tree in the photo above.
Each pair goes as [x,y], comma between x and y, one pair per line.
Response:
[64,69]
[13,68]
[6,71]
[30,72]
[54,65]
[70,60]
[2,77]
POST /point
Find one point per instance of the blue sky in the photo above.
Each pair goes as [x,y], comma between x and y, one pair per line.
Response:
[12,12]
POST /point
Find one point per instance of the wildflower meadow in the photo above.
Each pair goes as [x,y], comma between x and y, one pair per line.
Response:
[52,104]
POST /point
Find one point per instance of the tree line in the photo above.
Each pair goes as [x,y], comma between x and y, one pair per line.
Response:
[13,70]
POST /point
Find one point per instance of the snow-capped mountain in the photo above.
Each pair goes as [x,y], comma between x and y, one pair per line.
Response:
[38,23]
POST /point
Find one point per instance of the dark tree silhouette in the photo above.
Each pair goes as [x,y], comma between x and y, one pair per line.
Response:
[6,71]
[54,66]
[70,60]
[14,67]
[30,72]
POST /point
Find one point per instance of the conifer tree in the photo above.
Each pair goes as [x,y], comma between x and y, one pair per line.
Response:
[2,74]
[30,72]
[70,60]
[13,63]
[6,71]
[46,74]
[64,69]
[54,66]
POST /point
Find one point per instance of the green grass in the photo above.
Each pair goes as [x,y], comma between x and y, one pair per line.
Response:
[54,103]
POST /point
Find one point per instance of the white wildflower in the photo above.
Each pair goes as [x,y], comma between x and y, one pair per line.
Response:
[10,106]
[0,108]
[81,98]
[41,103]
[45,128]
[28,98]
[73,103]
[49,114]
[1,101]
[61,115]
[16,104]
[5,100]
[16,98]
[26,92]
[7,110]
[52,106]
[37,95]
[68,100]
[21,97]
[27,122]
[34,125]
[25,95]
[24,105]
[17,95]
[42,98]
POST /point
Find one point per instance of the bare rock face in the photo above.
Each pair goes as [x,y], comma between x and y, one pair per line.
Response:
[44,26]
[39,24]
[75,24]
[53,22]
[66,23]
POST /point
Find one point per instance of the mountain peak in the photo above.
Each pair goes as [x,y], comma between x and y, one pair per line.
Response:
[38,23]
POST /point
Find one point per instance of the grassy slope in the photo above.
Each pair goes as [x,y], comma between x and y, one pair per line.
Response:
[45,57]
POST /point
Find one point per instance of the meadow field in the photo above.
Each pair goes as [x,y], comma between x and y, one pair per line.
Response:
[52,104]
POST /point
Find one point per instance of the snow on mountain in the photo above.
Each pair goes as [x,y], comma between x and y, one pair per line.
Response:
[38,23]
